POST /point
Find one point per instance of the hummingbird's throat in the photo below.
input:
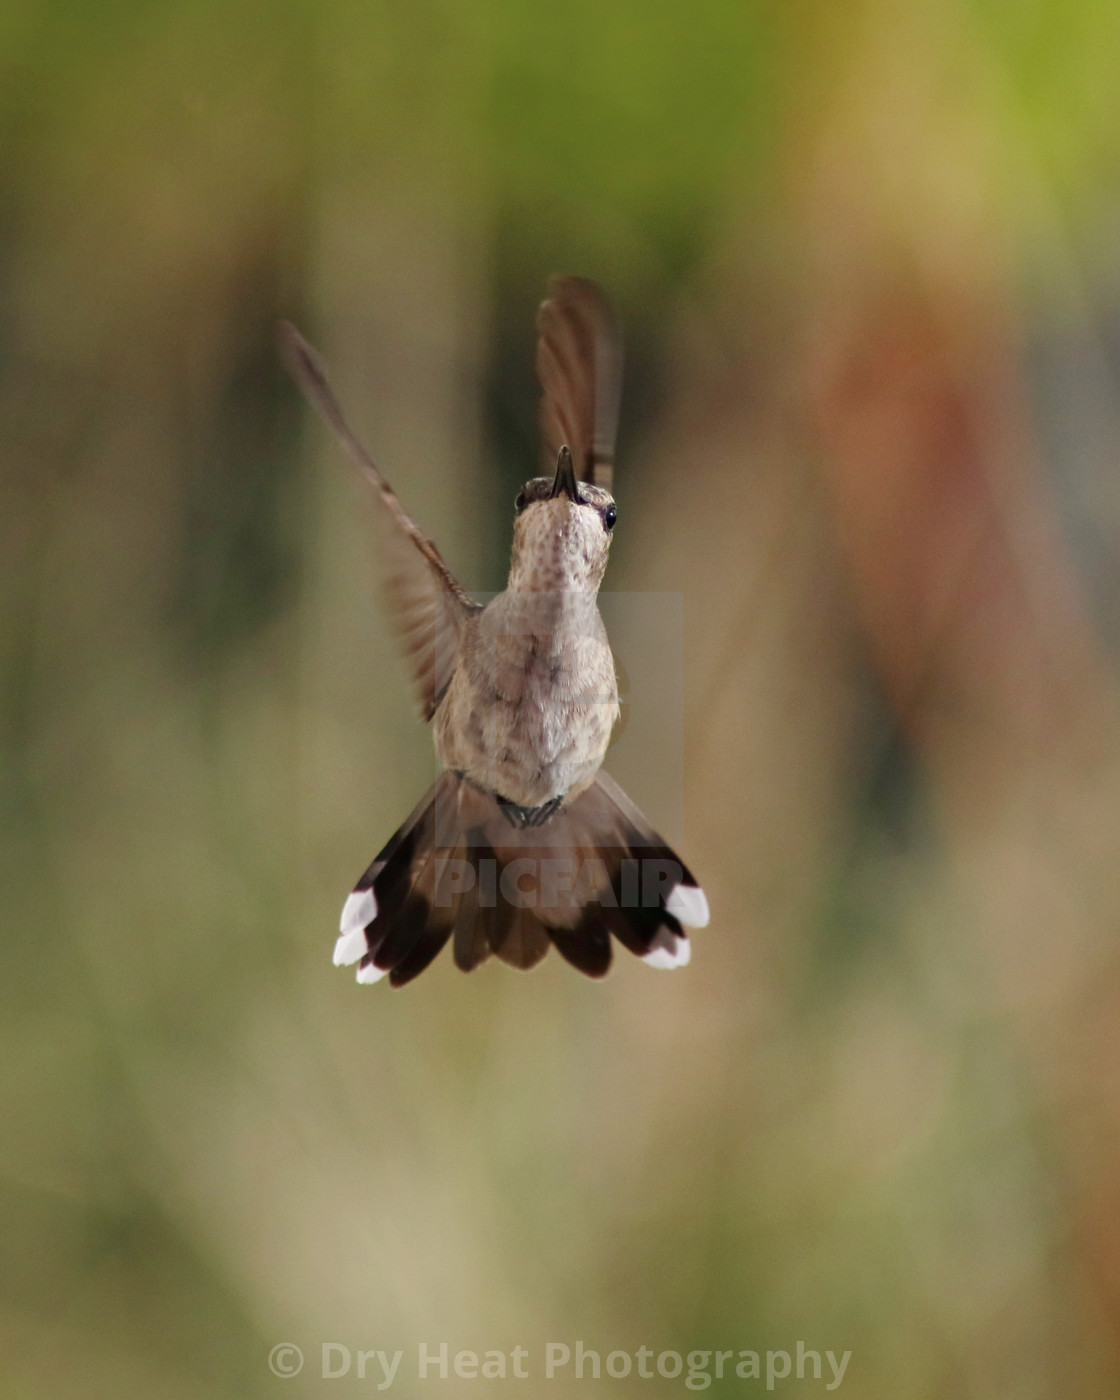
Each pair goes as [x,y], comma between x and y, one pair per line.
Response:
[558,549]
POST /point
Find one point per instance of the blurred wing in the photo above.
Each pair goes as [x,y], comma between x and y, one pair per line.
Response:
[428,606]
[579,365]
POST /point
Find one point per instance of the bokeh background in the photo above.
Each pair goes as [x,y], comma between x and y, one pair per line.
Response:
[868,259]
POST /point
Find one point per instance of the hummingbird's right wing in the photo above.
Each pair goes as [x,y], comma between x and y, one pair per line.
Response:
[428,605]
[579,365]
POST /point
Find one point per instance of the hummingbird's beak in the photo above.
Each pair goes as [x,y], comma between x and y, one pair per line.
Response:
[565,483]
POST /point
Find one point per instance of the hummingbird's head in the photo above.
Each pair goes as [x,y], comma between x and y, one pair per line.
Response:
[562,533]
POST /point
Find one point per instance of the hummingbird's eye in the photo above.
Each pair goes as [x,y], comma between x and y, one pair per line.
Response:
[610,515]
[521,502]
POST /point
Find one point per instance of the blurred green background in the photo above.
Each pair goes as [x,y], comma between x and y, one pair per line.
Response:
[867,261]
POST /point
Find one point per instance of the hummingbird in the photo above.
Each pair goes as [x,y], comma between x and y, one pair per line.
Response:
[523,842]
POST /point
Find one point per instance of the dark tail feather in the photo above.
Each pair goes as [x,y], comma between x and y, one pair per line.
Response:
[443,876]
[638,888]
[415,921]
[391,909]
[519,938]
[472,929]
[426,949]
[588,946]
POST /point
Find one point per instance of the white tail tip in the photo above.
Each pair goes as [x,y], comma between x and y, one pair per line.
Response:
[368,973]
[668,950]
[689,904]
[359,911]
[350,947]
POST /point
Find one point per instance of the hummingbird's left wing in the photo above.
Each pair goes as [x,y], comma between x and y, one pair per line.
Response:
[579,365]
[428,605]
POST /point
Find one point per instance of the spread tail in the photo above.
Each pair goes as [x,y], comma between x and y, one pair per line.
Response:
[460,870]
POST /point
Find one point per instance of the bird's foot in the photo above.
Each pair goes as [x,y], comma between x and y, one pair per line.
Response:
[523,817]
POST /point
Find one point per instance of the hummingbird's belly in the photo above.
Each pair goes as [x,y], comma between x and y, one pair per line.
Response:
[529,720]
